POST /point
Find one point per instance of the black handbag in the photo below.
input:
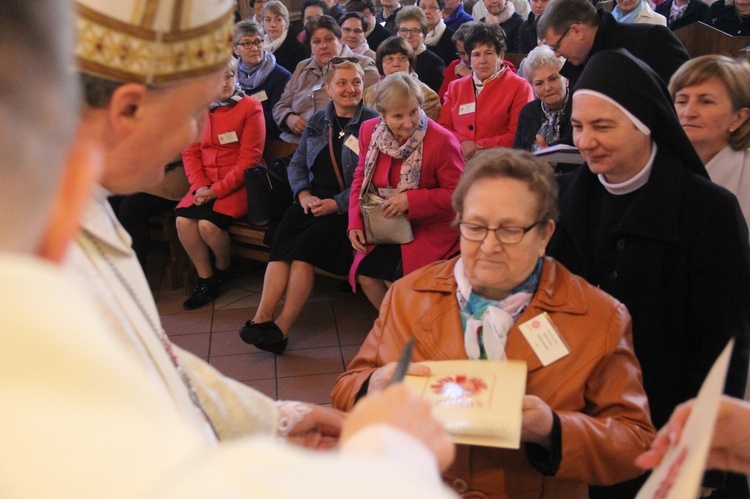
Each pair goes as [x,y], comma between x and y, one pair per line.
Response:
[268,192]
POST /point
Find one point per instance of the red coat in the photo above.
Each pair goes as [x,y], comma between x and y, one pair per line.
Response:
[449,76]
[209,163]
[430,211]
[494,120]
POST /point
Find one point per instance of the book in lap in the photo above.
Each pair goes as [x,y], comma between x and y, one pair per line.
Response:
[478,401]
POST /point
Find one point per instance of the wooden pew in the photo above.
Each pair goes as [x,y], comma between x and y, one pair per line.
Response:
[701,39]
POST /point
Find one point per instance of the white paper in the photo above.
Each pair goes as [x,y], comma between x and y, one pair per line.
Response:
[680,473]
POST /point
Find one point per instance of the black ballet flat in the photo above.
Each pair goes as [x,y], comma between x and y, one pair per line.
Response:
[264,336]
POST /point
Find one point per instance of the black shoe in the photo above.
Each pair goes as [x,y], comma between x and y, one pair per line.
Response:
[202,294]
[220,277]
[265,336]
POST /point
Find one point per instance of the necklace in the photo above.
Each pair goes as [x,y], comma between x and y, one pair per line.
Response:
[341,129]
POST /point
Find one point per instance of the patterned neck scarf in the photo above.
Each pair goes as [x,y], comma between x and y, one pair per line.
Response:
[479,84]
[252,77]
[676,12]
[411,152]
[486,322]
[231,101]
[550,129]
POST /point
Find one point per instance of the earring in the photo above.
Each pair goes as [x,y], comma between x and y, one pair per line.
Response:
[731,130]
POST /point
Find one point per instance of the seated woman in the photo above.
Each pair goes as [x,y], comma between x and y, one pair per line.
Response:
[415,164]
[460,67]
[712,99]
[258,73]
[527,36]
[545,121]
[482,109]
[395,55]
[232,141]
[312,233]
[353,29]
[585,415]
[304,93]
[279,40]
[438,37]
[730,16]
[412,27]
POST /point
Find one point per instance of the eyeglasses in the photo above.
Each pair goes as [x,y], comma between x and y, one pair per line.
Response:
[404,32]
[556,46]
[335,61]
[328,40]
[504,235]
[246,45]
[356,31]
[396,58]
[229,76]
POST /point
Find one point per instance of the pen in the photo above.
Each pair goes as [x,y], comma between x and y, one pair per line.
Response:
[403,363]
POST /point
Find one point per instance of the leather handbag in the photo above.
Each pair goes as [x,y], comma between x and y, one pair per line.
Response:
[268,192]
[378,229]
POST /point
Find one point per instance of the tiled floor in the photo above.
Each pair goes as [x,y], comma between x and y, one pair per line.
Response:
[327,334]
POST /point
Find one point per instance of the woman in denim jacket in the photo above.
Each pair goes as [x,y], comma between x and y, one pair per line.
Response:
[312,232]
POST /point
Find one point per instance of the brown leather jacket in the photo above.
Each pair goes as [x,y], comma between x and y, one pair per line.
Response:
[596,390]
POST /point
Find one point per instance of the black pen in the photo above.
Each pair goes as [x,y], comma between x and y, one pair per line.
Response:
[403,363]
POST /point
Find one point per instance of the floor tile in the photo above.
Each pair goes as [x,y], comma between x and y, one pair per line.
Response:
[315,389]
[171,303]
[187,323]
[231,295]
[359,309]
[250,300]
[229,343]
[248,366]
[315,313]
[197,344]
[348,352]
[309,361]
[266,386]
[231,319]
[313,336]
[354,332]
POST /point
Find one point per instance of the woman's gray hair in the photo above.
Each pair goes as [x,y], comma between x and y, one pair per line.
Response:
[246,28]
[232,64]
[276,8]
[541,57]
[396,89]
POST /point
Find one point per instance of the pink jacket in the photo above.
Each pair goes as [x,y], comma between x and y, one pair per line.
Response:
[430,211]
[220,166]
[493,121]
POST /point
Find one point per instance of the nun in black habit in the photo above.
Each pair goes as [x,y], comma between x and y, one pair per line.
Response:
[642,220]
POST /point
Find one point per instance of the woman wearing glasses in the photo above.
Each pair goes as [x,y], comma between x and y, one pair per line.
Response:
[585,416]
[258,73]
[413,27]
[395,55]
[304,93]
[482,109]
[414,164]
[312,233]
[353,29]
[438,38]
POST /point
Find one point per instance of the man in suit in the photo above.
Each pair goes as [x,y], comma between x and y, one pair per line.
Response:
[574,29]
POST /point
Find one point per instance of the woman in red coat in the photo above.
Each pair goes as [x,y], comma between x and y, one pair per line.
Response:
[232,141]
[482,109]
[417,164]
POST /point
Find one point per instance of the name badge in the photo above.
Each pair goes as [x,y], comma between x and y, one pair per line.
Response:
[228,138]
[467,108]
[352,143]
[316,87]
[544,339]
[260,96]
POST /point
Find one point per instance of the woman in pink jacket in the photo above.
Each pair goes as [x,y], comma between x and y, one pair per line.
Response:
[417,164]
[232,141]
[482,109]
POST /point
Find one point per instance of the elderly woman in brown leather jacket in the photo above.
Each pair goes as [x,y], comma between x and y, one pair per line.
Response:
[585,415]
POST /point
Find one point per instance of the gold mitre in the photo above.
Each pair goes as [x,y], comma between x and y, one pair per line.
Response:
[153,41]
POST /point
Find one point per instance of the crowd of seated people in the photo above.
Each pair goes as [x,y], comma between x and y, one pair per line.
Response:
[412,111]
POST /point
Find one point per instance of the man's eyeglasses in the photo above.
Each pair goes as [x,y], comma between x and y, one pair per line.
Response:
[404,32]
[246,44]
[504,235]
[556,46]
